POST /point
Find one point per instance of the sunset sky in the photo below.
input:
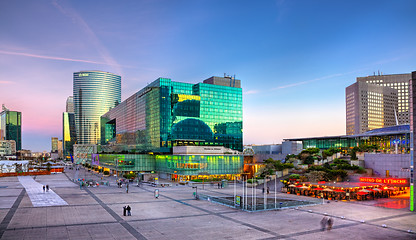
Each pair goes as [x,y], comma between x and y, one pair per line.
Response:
[294,58]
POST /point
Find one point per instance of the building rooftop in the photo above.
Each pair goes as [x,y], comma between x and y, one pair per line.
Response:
[392,130]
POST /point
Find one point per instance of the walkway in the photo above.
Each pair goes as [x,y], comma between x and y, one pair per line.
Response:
[37,196]
[97,213]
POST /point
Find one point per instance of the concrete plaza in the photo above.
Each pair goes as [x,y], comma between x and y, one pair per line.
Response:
[96,213]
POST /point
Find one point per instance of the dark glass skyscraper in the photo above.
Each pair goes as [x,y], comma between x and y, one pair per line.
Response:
[95,93]
[11,126]
[167,113]
[69,133]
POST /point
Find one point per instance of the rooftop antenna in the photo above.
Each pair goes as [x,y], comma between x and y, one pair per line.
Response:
[3,107]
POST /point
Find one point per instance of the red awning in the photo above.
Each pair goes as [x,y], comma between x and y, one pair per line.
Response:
[362,193]
[339,190]
[319,189]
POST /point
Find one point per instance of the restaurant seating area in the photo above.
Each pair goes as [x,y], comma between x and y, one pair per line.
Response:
[347,191]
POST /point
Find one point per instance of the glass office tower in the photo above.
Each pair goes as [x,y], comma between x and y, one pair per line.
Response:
[95,93]
[69,133]
[11,127]
[167,113]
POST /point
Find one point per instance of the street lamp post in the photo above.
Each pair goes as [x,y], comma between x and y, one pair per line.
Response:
[116,160]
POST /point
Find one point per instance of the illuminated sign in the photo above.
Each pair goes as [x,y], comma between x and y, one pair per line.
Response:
[83,75]
[401,181]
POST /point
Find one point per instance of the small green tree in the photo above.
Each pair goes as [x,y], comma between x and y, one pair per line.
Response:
[309,160]
[294,176]
[48,166]
[290,157]
[353,153]
[315,176]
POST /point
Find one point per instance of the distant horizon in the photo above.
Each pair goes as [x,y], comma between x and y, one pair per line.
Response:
[245,144]
[294,58]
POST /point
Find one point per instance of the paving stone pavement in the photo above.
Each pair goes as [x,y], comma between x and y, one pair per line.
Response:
[36,194]
[96,213]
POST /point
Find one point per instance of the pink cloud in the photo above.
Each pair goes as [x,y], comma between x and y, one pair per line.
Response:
[6,82]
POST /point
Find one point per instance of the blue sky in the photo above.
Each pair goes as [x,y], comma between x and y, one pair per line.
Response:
[294,58]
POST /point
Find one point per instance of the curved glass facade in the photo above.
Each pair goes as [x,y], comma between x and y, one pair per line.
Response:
[176,165]
[95,93]
[166,114]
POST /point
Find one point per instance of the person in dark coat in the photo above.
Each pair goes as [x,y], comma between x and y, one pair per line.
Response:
[324,221]
[47,188]
[128,210]
[43,188]
[330,223]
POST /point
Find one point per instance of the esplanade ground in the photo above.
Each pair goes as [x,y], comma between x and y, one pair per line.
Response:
[68,212]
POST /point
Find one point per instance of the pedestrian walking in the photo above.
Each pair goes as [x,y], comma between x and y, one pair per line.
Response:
[218,185]
[124,210]
[268,190]
[330,223]
[263,190]
[127,188]
[324,221]
[43,188]
[47,188]
[128,210]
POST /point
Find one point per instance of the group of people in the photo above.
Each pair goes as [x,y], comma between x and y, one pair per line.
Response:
[267,189]
[127,209]
[46,188]
[119,183]
[327,223]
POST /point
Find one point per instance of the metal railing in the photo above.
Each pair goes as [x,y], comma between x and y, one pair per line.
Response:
[257,204]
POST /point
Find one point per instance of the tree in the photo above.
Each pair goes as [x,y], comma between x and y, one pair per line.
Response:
[309,160]
[316,176]
[290,157]
[353,153]
[48,166]
[274,165]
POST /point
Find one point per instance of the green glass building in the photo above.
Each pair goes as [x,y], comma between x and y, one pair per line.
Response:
[95,92]
[11,127]
[148,125]
[174,167]
[394,139]
[167,113]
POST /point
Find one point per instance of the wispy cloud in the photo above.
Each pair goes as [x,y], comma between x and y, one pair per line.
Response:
[251,92]
[90,34]
[6,82]
[309,81]
[54,58]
